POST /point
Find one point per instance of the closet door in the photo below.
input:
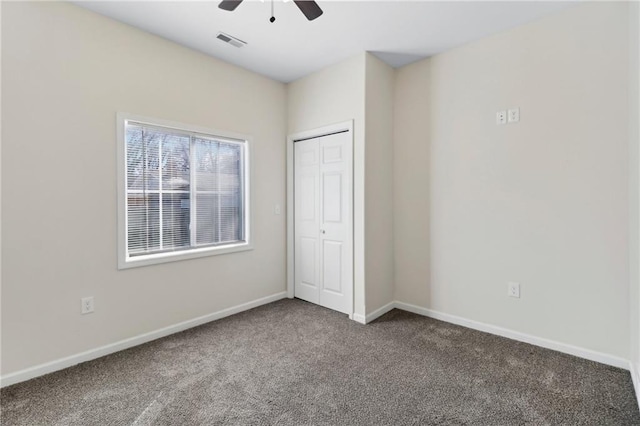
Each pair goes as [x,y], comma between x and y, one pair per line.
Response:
[307,220]
[323,221]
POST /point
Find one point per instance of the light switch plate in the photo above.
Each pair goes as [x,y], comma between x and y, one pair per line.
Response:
[514,115]
[86,306]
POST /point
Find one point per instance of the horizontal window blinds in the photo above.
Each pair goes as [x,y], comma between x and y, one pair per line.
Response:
[184,190]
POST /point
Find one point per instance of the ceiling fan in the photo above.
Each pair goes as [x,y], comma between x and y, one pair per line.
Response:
[309,8]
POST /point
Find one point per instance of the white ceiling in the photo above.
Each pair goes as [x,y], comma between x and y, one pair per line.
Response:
[399,32]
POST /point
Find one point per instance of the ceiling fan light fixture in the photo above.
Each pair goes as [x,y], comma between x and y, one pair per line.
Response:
[229,5]
[309,8]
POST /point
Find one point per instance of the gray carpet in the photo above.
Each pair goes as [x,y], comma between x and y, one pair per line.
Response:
[294,363]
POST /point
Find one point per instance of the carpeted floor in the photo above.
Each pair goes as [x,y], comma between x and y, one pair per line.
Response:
[294,363]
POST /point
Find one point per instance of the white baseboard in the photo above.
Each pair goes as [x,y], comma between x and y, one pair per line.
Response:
[380,312]
[516,335]
[359,318]
[50,367]
[635,377]
[59,364]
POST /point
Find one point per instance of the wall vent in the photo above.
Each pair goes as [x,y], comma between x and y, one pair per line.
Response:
[236,42]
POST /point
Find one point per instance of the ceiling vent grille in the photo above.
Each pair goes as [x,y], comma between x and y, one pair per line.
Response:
[236,42]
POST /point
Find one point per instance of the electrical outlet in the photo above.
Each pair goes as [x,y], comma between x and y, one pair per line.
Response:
[513,290]
[86,305]
[513,115]
[277,209]
[501,117]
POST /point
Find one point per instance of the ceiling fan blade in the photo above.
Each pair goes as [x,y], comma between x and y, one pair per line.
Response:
[309,8]
[229,5]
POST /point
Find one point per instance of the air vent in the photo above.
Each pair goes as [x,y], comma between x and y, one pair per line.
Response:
[236,42]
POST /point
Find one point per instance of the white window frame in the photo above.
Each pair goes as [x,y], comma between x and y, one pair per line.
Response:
[124,260]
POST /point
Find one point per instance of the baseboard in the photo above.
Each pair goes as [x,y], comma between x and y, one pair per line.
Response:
[516,335]
[635,377]
[50,367]
[59,364]
[359,318]
[380,312]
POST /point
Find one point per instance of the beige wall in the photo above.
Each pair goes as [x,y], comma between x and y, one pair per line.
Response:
[543,202]
[411,165]
[66,72]
[634,182]
[329,96]
[379,183]
[455,206]
[359,89]
[0,188]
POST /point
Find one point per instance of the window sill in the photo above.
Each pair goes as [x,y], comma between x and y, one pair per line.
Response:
[154,259]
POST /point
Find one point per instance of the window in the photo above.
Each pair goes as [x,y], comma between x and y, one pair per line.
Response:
[183,192]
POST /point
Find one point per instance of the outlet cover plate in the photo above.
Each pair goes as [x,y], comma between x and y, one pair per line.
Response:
[86,305]
[501,117]
[513,290]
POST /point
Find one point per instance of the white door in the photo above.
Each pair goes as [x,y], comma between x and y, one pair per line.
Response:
[323,272]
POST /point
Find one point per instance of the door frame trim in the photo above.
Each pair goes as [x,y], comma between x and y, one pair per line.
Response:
[291,139]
